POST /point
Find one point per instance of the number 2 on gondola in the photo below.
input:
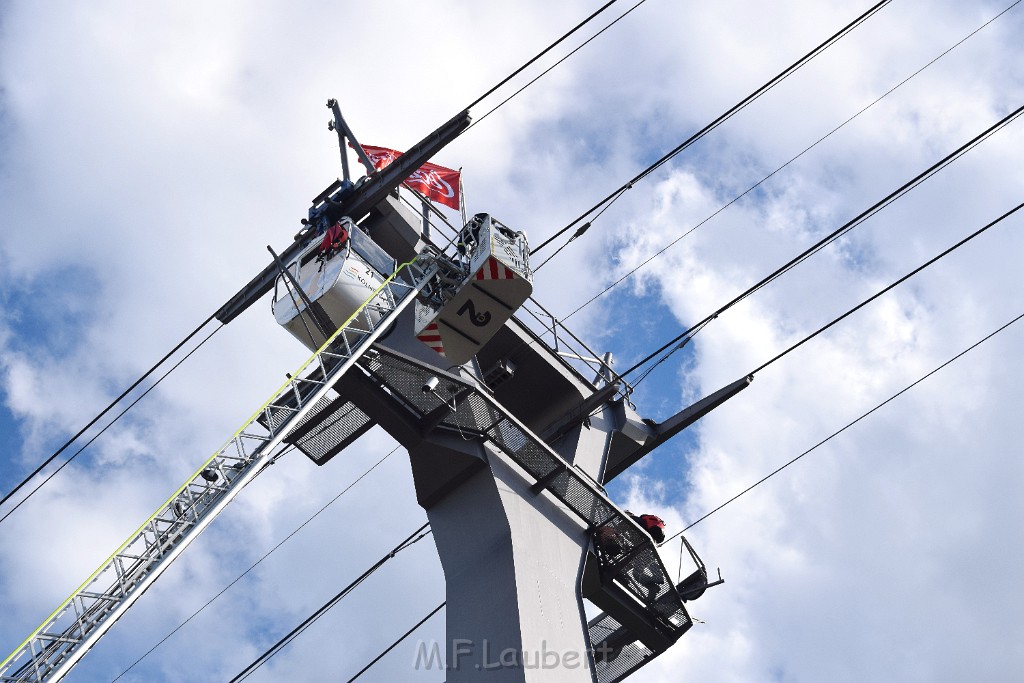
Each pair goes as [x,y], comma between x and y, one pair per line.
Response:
[478,319]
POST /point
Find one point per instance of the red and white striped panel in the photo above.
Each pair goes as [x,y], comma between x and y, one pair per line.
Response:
[431,336]
[492,270]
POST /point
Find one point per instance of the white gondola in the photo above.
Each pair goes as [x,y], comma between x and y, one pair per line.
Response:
[472,300]
[338,283]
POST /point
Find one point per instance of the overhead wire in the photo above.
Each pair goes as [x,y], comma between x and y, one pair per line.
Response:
[559,62]
[781,76]
[106,427]
[109,407]
[413,538]
[760,182]
[398,642]
[846,426]
[842,230]
[267,554]
[540,54]
[686,335]
[890,287]
[582,229]
[680,340]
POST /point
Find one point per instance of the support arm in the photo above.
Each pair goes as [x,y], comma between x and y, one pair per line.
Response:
[660,432]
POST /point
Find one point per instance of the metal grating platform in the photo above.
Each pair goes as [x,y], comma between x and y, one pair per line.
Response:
[330,431]
[462,407]
[329,427]
[616,653]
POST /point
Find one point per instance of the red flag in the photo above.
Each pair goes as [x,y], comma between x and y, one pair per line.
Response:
[438,183]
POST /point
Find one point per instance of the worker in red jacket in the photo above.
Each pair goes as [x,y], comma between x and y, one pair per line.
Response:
[648,576]
[608,538]
[334,240]
[652,524]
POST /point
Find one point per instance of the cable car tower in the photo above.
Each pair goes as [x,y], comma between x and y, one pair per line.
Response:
[510,443]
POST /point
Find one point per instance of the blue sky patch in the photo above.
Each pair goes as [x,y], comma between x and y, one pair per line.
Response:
[647,325]
[50,312]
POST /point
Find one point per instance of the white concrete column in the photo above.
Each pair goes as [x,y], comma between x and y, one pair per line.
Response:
[512,563]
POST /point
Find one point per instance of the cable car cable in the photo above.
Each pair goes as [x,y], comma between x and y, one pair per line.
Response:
[104,412]
[550,68]
[785,73]
[395,644]
[858,306]
[888,288]
[847,426]
[770,175]
[843,229]
[689,333]
[414,537]
[267,554]
[674,344]
[539,55]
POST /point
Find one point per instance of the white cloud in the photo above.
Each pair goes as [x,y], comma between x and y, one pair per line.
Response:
[150,152]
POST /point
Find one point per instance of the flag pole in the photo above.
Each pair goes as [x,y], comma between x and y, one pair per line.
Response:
[462,198]
[426,217]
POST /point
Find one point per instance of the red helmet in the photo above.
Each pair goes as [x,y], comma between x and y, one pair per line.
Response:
[652,521]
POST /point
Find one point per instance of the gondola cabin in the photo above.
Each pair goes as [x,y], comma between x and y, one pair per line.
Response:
[467,305]
[337,275]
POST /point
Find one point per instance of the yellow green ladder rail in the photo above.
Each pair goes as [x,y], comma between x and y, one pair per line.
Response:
[80,621]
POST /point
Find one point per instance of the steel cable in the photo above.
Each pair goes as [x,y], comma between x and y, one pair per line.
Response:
[781,76]
[842,230]
[846,426]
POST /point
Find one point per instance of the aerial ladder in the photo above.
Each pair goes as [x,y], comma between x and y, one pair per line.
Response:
[343,289]
[82,619]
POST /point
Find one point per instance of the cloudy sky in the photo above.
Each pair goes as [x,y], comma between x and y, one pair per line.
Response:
[150,151]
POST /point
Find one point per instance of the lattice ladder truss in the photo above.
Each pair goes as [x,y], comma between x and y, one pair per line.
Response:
[637,568]
[78,623]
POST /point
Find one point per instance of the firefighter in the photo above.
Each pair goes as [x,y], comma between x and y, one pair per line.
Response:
[334,241]
[652,524]
[608,538]
[648,576]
